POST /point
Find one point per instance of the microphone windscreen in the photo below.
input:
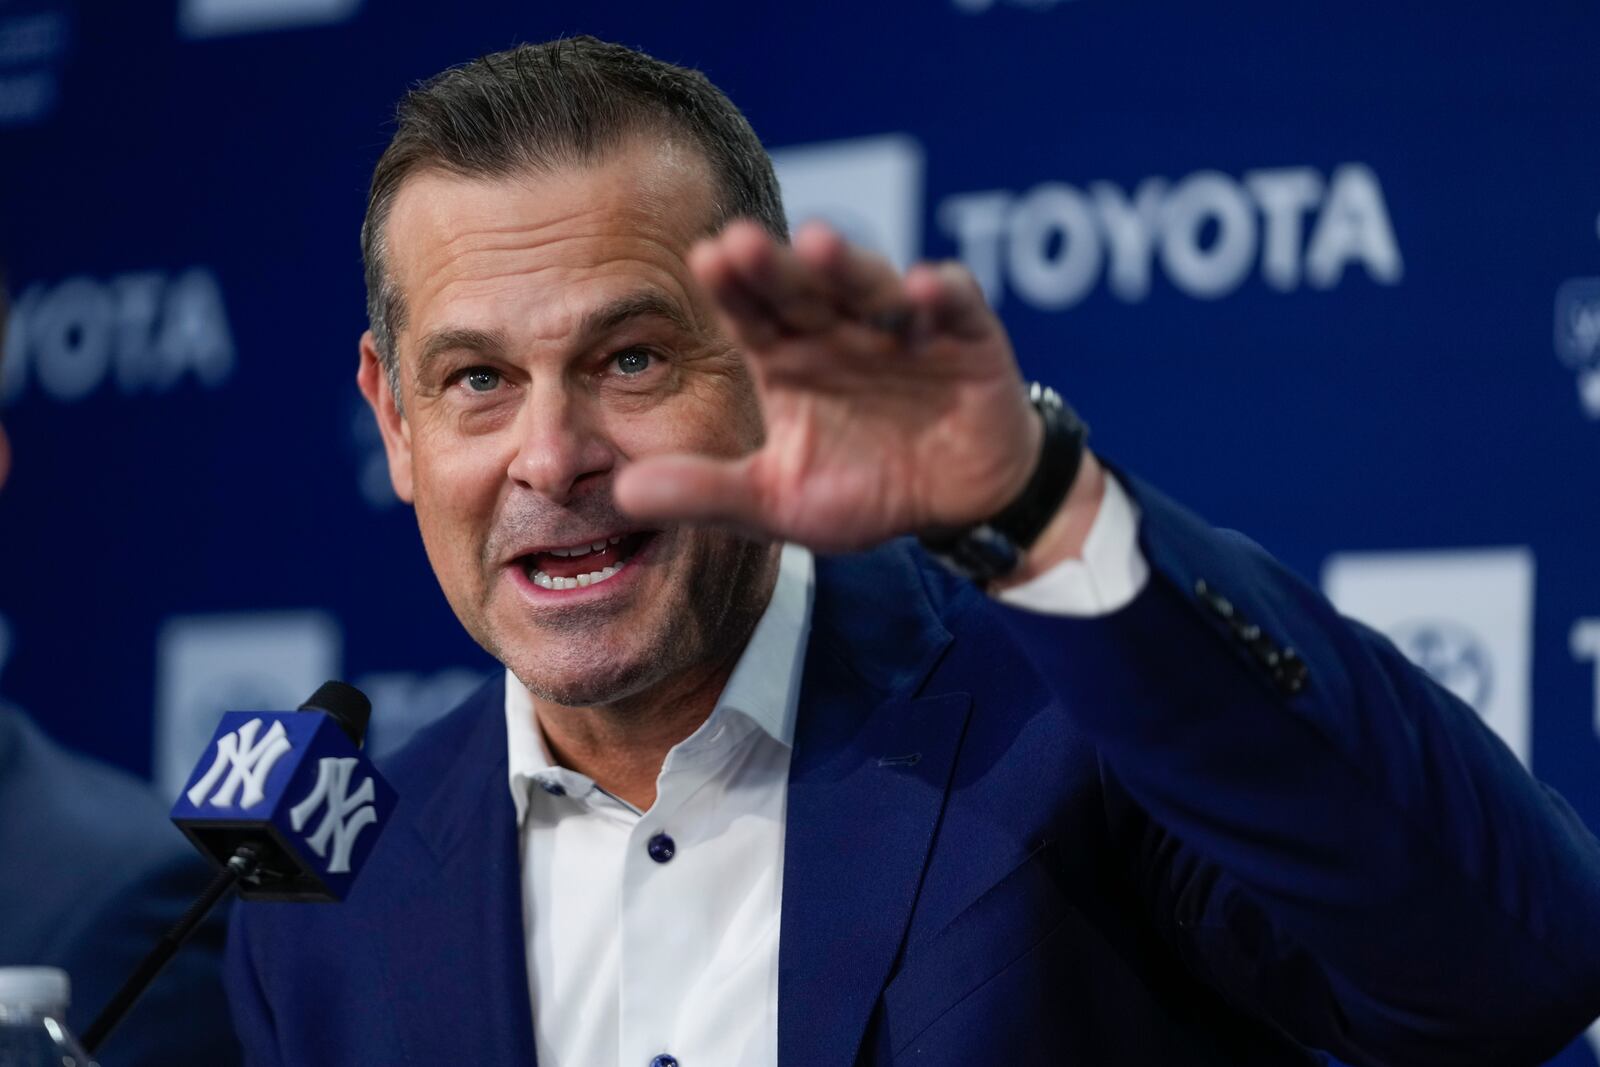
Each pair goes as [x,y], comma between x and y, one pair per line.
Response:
[346,705]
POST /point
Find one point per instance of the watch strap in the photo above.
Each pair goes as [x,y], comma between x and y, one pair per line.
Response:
[994,547]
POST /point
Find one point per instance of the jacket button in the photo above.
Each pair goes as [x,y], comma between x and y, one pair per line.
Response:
[1292,674]
[662,848]
[1215,601]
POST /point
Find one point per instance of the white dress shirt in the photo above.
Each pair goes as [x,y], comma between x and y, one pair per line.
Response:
[652,937]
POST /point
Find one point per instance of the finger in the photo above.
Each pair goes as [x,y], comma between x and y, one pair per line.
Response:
[862,284]
[747,320]
[690,489]
[772,273]
[947,298]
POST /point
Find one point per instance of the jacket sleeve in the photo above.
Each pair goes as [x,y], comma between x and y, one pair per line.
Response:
[1333,841]
[247,1001]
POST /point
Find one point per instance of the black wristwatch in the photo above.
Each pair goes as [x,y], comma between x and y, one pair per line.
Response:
[994,548]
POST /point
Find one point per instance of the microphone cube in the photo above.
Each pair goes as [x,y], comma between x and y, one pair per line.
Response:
[293,784]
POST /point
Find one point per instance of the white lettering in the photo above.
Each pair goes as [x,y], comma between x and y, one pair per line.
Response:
[1585,643]
[1208,270]
[1130,230]
[1284,196]
[12,370]
[143,332]
[976,221]
[247,763]
[346,816]
[190,337]
[1050,244]
[1354,228]
[138,304]
[1054,248]
[72,335]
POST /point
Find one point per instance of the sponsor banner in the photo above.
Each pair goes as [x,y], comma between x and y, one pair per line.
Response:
[34,41]
[1577,337]
[869,189]
[198,19]
[1056,244]
[1585,644]
[206,663]
[1205,234]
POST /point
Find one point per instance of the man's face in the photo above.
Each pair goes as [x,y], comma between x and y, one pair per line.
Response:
[553,333]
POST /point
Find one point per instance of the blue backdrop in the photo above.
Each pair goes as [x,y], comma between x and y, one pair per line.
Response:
[1328,272]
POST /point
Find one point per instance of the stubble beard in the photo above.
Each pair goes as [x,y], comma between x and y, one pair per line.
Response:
[720,590]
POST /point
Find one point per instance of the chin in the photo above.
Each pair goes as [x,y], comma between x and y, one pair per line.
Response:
[589,687]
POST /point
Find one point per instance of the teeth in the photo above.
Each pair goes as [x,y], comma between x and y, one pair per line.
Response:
[583,550]
[582,581]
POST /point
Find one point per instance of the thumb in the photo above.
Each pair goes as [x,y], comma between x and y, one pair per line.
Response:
[690,488]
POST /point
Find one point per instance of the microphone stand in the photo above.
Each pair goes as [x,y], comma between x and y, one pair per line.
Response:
[243,865]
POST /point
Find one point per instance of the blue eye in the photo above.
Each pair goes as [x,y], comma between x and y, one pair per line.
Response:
[481,380]
[633,361]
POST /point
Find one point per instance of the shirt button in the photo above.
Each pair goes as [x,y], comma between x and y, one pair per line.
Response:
[662,849]
[664,1060]
[552,787]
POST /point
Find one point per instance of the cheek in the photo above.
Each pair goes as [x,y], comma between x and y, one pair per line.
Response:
[455,491]
[715,415]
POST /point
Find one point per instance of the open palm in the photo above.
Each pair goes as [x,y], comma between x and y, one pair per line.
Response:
[892,404]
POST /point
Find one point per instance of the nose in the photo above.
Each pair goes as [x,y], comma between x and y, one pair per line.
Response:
[559,444]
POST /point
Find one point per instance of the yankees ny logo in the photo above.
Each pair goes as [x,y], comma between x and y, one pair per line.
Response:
[246,762]
[347,815]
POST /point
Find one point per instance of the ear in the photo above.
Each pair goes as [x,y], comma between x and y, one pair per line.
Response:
[374,383]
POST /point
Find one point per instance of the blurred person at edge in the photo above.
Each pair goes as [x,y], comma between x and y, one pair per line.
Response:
[91,875]
[1142,797]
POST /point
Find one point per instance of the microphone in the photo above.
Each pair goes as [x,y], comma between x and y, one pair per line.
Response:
[287,808]
[293,790]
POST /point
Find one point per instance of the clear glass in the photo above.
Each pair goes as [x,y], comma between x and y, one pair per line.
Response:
[37,1039]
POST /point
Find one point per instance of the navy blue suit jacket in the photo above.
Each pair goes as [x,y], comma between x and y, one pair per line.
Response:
[1016,839]
[91,875]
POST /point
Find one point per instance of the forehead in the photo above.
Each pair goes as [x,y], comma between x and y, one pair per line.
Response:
[529,253]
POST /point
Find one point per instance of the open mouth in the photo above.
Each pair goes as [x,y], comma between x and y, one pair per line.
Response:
[580,566]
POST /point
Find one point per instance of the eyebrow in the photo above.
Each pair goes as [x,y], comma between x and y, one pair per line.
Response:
[646,303]
[492,344]
[489,343]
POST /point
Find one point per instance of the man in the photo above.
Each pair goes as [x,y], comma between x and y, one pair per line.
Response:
[93,874]
[1132,794]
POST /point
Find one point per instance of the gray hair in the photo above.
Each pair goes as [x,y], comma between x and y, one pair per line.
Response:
[544,106]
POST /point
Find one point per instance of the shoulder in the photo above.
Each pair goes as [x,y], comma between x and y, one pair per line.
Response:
[67,811]
[95,874]
[431,752]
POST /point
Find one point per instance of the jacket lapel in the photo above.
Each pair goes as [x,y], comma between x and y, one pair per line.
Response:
[867,784]
[458,974]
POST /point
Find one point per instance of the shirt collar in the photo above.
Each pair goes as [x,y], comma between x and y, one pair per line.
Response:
[763,688]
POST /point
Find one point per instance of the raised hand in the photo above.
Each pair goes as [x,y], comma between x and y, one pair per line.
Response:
[892,404]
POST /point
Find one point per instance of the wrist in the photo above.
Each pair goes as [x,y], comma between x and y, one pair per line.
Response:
[1064,537]
[994,548]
